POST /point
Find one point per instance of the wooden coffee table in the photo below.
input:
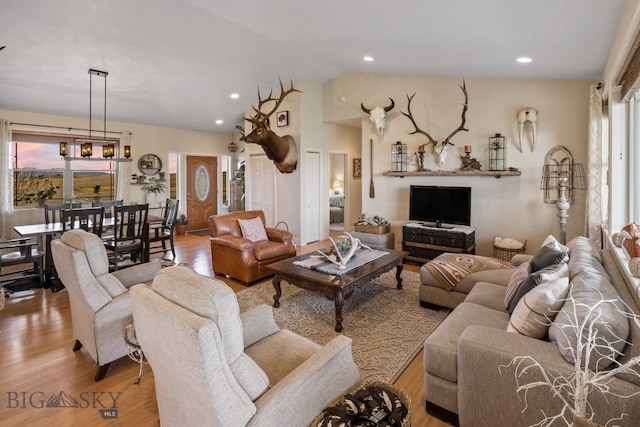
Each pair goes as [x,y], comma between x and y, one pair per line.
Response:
[337,288]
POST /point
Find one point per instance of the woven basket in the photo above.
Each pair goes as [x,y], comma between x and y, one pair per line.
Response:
[402,395]
[372,229]
[505,254]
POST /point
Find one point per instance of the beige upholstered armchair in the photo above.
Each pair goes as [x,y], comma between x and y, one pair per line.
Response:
[99,300]
[215,366]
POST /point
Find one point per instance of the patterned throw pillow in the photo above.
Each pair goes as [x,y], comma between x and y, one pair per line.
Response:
[551,252]
[536,310]
[516,279]
[253,229]
[533,280]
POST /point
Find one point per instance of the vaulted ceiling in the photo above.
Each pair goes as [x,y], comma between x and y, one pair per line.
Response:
[175,62]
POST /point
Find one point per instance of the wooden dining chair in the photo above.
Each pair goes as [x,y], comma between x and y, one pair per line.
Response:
[89,219]
[18,252]
[164,232]
[53,212]
[108,206]
[129,235]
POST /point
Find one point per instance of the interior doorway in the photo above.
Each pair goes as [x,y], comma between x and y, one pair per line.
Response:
[337,191]
[202,191]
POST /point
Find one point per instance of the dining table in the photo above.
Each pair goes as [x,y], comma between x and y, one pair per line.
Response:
[44,234]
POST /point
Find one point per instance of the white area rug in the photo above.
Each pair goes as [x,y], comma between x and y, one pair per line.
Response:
[387,325]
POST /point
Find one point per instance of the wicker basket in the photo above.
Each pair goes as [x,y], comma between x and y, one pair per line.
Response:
[505,254]
[372,229]
[402,395]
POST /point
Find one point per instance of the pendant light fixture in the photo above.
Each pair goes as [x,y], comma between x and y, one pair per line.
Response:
[86,145]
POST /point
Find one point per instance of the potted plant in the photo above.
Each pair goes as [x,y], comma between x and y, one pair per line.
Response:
[42,195]
[96,193]
[181,225]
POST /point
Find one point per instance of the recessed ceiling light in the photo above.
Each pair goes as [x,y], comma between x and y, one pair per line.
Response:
[368,58]
[219,122]
[234,96]
[524,60]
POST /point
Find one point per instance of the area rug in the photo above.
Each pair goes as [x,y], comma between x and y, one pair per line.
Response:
[387,325]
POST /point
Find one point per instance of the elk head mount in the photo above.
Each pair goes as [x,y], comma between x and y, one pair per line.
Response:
[439,148]
[378,115]
[281,150]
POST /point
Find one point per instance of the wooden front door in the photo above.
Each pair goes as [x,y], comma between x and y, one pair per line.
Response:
[202,190]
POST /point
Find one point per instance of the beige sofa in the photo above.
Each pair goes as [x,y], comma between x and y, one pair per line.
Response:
[463,355]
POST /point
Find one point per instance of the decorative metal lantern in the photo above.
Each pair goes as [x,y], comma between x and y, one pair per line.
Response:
[86,149]
[127,151]
[64,149]
[108,151]
[497,153]
[399,157]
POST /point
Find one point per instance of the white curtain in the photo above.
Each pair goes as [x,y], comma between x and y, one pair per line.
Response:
[6,180]
[124,170]
[596,200]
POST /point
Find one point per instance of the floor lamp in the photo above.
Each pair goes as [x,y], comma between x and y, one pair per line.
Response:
[564,176]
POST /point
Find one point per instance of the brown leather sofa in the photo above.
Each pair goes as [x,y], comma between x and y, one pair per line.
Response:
[235,256]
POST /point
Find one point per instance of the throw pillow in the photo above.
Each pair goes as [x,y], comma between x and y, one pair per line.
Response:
[517,278]
[550,253]
[253,229]
[536,310]
[532,280]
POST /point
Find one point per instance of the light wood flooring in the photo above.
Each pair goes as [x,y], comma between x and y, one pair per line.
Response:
[36,362]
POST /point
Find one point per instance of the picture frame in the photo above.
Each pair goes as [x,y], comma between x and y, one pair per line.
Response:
[283,118]
[357,168]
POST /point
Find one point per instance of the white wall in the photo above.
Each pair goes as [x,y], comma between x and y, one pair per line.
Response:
[145,139]
[509,206]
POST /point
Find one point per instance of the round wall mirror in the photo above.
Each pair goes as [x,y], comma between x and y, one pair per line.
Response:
[149,164]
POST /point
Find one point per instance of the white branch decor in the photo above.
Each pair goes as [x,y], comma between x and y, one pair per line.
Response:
[573,389]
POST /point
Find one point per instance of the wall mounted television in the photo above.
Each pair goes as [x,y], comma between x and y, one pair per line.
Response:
[440,205]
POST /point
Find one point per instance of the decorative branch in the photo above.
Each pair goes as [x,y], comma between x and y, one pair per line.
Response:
[573,389]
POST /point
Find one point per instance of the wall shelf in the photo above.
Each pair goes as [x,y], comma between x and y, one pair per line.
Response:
[495,174]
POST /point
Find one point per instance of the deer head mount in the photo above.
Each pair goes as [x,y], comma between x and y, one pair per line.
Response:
[378,115]
[281,150]
[439,148]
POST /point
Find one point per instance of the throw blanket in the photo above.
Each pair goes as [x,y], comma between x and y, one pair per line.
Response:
[448,269]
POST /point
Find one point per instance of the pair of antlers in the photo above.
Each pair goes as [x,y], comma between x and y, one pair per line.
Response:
[262,118]
[447,140]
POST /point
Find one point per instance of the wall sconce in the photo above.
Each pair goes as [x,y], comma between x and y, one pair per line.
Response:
[127,151]
[64,149]
[86,149]
[108,150]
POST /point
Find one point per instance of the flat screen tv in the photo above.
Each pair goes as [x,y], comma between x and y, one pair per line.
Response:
[440,205]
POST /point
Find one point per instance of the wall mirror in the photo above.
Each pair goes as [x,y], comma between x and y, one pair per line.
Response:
[149,164]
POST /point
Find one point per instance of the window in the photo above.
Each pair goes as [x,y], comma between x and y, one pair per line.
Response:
[39,172]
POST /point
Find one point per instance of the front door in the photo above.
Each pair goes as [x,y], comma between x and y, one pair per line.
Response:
[202,190]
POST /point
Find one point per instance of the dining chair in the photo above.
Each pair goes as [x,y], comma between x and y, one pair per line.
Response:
[129,237]
[53,212]
[89,219]
[108,206]
[164,232]
[18,252]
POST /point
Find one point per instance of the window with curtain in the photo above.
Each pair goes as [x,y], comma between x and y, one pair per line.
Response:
[39,172]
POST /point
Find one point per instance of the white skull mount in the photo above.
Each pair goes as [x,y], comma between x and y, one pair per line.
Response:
[440,152]
[378,115]
[530,115]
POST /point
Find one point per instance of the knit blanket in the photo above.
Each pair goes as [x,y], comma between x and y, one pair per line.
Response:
[449,268]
